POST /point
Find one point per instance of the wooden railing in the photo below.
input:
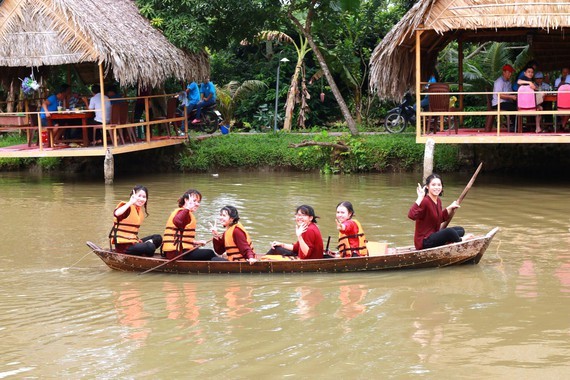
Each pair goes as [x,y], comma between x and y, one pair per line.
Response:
[421,126]
[21,121]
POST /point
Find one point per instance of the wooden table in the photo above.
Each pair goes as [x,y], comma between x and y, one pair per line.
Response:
[73,115]
[549,98]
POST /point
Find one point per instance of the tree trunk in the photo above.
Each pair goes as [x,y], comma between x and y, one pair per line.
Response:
[338,96]
[290,105]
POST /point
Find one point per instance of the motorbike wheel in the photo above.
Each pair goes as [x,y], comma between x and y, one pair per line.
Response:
[209,123]
[395,123]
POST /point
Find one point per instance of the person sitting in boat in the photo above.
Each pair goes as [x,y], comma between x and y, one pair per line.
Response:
[180,231]
[428,213]
[309,244]
[234,241]
[128,217]
[351,238]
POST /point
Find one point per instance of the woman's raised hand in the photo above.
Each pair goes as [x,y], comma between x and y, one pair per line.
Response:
[301,228]
[421,190]
[214,229]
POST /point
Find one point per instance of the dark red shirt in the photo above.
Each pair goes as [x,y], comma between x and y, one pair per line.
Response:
[314,240]
[428,216]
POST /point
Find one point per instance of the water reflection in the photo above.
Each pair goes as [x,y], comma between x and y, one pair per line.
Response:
[308,300]
[131,314]
[506,315]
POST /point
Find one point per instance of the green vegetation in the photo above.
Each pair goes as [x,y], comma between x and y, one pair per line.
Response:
[370,153]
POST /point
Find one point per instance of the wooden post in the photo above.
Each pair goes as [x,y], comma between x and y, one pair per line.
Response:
[460,74]
[428,158]
[109,167]
[103,107]
[418,83]
[147,118]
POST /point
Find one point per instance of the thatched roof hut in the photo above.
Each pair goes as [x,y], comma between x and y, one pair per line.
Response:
[109,32]
[543,25]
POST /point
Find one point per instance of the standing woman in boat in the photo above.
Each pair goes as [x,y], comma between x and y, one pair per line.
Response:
[235,240]
[128,217]
[180,231]
[428,213]
[351,238]
[309,244]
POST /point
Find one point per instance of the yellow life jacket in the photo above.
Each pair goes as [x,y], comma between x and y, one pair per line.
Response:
[126,231]
[179,240]
[232,249]
[344,246]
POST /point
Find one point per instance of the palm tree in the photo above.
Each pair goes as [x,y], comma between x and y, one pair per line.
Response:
[231,94]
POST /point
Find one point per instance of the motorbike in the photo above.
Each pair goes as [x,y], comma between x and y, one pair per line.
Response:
[210,118]
[398,118]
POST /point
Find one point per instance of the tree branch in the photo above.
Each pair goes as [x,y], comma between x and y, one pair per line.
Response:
[339,146]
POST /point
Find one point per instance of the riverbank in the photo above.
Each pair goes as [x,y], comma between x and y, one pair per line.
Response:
[331,153]
[337,153]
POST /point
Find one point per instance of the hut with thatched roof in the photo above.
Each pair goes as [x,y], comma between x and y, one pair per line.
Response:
[408,53]
[87,33]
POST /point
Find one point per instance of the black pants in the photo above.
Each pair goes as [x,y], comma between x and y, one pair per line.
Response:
[442,237]
[218,258]
[200,254]
[281,251]
[147,247]
[509,106]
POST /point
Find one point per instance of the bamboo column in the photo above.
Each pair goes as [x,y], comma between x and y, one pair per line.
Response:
[103,106]
[418,83]
[460,79]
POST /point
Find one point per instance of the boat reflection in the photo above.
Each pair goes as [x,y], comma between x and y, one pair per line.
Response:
[527,282]
[131,314]
[307,302]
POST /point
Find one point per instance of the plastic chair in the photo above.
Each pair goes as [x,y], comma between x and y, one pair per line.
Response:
[171,105]
[119,115]
[526,101]
[439,103]
[563,102]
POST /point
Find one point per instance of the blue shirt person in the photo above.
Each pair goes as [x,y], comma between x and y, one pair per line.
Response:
[208,97]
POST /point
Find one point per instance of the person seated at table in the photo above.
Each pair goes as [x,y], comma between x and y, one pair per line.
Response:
[542,86]
[527,80]
[95,104]
[563,78]
[51,104]
[114,95]
[207,96]
[503,85]
[521,74]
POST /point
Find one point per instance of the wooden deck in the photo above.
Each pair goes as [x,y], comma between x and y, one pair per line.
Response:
[479,136]
[65,150]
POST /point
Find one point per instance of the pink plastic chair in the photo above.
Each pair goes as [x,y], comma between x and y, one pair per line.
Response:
[526,101]
[563,102]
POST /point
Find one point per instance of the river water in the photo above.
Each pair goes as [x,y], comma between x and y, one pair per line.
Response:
[64,314]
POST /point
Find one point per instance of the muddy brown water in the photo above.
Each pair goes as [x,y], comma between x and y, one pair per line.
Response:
[64,314]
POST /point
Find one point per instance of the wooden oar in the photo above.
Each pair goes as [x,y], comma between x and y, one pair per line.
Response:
[176,258]
[463,194]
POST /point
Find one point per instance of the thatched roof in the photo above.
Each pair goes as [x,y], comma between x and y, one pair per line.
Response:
[34,33]
[542,24]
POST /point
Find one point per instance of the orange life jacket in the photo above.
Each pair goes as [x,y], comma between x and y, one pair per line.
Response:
[176,239]
[344,247]
[231,247]
[126,231]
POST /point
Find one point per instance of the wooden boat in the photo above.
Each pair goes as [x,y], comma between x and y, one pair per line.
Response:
[467,252]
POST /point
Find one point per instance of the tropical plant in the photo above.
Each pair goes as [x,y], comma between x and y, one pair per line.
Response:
[230,95]
[302,48]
